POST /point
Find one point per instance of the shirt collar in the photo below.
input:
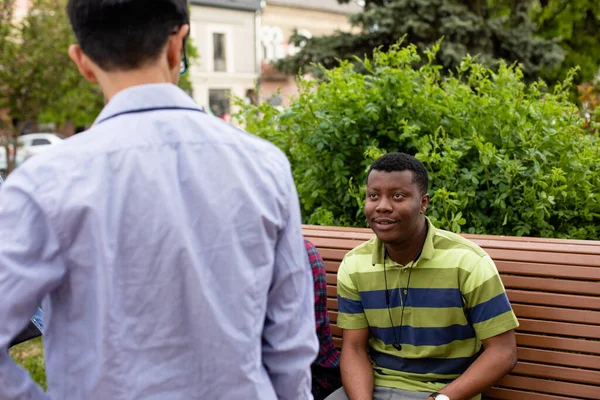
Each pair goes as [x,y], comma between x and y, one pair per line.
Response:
[143,97]
[426,254]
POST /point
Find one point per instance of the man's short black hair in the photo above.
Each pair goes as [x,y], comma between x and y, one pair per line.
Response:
[125,34]
[402,162]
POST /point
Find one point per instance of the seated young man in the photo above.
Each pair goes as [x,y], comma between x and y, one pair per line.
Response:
[423,311]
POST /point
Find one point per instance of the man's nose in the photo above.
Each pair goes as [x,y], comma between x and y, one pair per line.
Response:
[384,205]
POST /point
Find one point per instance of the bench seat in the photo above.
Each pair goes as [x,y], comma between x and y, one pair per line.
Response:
[554,288]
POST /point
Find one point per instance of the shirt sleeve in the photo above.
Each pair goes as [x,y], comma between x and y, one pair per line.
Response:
[320,284]
[488,308]
[30,267]
[351,314]
[289,337]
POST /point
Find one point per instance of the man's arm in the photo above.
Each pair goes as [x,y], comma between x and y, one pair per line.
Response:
[320,285]
[498,359]
[489,312]
[30,267]
[289,338]
[355,365]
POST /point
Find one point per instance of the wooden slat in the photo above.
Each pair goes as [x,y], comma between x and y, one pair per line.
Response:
[332,304]
[557,314]
[504,267]
[331,279]
[366,233]
[331,291]
[510,394]
[332,254]
[550,248]
[558,343]
[549,342]
[549,270]
[558,373]
[338,229]
[541,343]
[576,390]
[559,358]
[363,235]
[534,297]
[337,341]
[335,330]
[551,285]
[331,266]
[477,238]
[527,311]
[541,257]
[335,243]
[553,387]
[559,328]
[333,316]
[554,299]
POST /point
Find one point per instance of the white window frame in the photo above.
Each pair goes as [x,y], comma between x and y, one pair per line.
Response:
[229,53]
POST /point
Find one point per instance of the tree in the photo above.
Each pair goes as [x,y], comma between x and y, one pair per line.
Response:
[36,74]
[38,81]
[82,101]
[577,24]
[494,30]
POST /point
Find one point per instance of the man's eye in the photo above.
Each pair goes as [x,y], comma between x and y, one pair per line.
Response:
[372,195]
[398,196]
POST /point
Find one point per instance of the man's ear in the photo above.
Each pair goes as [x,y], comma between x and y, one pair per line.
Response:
[175,46]
[424,203]
[83,63]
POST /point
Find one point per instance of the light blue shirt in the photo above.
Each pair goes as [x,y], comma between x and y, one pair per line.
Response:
[166,246]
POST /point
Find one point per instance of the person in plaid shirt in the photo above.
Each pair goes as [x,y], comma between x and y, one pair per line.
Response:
[326,368]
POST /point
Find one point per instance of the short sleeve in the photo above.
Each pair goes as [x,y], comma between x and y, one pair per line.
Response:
[488,307]
[351,314]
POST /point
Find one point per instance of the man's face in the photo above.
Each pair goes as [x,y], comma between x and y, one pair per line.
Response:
[394,205]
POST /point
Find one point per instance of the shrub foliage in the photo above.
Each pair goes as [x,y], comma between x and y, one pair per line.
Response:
[504,157]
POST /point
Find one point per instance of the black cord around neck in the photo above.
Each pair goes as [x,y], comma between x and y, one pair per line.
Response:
[397,339]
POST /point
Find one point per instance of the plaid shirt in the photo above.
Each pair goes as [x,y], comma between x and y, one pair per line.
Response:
[328,354]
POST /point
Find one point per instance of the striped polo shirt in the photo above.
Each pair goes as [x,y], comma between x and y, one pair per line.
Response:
[454,301]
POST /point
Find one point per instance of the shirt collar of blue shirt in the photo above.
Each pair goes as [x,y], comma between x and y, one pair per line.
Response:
[146,98]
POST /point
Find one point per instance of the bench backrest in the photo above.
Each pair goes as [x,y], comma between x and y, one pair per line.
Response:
[554,288]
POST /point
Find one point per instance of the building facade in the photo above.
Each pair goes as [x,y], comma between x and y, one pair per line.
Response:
[280,18]
[225,32]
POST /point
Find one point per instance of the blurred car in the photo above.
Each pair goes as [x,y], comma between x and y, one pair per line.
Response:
[30,145]
[35,143]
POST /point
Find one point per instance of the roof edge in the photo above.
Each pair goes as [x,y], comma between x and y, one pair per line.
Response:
[245,5]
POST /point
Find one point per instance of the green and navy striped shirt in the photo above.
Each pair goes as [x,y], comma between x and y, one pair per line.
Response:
[455,300]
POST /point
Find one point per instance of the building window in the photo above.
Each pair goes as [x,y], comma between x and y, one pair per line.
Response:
[271,38]
[219,52]
[219,102]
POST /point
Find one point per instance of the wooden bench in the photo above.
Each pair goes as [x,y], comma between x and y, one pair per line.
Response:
[554,288]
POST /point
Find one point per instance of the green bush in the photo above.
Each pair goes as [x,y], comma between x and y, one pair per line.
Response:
[504,158]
